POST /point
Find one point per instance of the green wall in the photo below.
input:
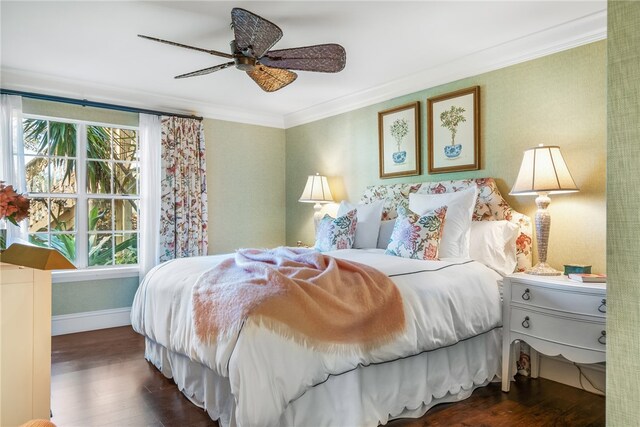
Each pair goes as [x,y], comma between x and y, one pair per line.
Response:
[555,100]
[245,164]
[92,295]
[623,207]
[245,179]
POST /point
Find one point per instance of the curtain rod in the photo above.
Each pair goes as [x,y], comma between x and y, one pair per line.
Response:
[86,103]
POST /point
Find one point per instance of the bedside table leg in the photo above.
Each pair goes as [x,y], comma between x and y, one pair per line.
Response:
[507,350]
[535,363]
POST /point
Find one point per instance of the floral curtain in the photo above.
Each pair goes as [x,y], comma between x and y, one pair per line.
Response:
[183,204]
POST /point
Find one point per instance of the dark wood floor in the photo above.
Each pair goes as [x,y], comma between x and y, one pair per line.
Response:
[100,378]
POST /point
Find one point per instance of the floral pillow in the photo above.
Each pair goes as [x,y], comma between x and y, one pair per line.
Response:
[336,233]
[417,236]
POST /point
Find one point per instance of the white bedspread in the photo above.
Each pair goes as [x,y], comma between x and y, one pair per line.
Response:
[444,302]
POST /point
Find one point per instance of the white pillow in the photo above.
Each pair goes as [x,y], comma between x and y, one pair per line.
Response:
[368,225]
[384,236]
[460,204]
[493,243]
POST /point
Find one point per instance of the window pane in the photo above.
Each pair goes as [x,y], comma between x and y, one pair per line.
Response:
[38,215]
[35,136]
[99,177]
[125,144]
[126,215]
[100,214]
[63,176]
[98,142]
[126,251]
[65,244]
[39,239]
[37,173]
[63,214]
[62,139]
[126,178]
[60,203]
[100,249]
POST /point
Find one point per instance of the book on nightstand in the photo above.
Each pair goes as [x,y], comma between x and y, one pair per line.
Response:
[588,278]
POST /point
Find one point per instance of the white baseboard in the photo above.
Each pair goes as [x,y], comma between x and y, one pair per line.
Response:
[90,321]
[563,371]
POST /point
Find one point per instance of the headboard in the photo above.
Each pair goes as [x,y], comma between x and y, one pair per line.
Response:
[490,206]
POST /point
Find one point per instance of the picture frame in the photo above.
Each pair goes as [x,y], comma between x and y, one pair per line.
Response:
[399,141]
[453,139]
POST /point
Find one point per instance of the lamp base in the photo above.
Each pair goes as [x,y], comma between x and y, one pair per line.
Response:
[317,215]
[543,269]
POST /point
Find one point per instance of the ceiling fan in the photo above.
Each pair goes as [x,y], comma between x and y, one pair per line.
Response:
[270,69]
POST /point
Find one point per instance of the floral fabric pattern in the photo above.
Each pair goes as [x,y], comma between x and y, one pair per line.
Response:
[490,206]
[416,236]
[183,211]
[393,195]
[338,233]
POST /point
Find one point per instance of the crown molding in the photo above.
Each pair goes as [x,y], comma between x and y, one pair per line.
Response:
[28,81]
[565,36]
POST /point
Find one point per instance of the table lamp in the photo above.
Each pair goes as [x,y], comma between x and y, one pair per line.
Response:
[543,172]
[316,191]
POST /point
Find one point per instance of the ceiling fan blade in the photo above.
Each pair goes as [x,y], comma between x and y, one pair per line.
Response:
[209,51]
[206,70]
[254,34]
[271,79]
[325,58]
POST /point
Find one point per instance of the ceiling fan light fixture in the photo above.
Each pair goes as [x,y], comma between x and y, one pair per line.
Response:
[271,79]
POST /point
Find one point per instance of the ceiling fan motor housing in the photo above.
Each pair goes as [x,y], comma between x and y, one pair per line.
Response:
[244,59]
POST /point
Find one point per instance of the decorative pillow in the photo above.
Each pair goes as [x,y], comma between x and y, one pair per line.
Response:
[455,236]
[417,236]
[336,233]
[384,235]
[493,243]
[368,222]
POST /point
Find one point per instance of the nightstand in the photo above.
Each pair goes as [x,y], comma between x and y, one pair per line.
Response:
[555,316]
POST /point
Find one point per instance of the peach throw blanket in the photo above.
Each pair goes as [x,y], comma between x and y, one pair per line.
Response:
[300,293]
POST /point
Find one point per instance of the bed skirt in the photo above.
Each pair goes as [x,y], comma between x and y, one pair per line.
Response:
[367,396]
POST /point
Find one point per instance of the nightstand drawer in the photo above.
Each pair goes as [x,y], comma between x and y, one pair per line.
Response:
[562,330]
[570,302]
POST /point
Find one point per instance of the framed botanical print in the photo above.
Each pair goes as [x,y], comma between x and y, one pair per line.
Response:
[399,141]
[453,136]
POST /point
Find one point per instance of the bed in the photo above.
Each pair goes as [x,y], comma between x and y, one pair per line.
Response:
[451,343]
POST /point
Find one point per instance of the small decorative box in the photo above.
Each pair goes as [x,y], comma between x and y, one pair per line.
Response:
[576,269]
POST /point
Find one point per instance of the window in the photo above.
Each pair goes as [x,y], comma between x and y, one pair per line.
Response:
[83,181]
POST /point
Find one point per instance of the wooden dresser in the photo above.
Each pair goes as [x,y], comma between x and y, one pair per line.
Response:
[25,344]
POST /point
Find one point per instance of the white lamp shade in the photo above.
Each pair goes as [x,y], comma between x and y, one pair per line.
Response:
[543,170]
[316,190]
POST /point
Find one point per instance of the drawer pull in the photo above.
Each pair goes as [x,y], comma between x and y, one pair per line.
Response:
[603,306]
[526,295]
[525,323]
[602,339]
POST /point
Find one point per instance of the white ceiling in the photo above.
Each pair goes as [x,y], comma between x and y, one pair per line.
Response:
[90,50]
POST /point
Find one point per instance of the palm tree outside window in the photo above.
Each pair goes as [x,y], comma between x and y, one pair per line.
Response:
[83,181]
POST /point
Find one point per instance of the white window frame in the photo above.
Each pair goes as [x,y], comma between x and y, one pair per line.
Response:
[81,229]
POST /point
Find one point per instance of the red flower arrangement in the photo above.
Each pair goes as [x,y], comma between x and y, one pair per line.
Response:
[13,206]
